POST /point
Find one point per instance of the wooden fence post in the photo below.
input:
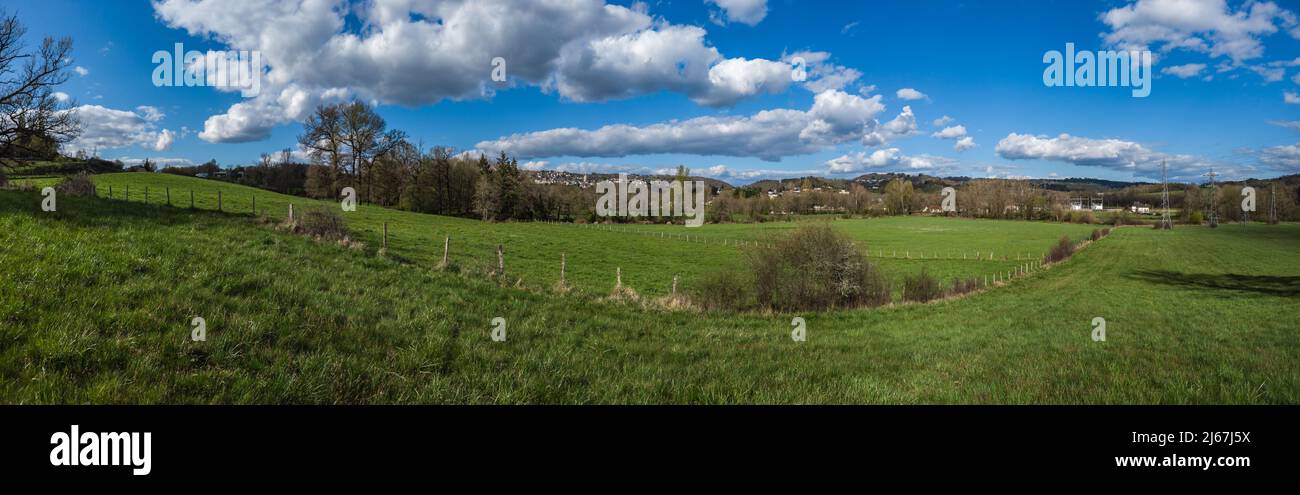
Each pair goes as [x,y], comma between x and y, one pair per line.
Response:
[674,286]
[501,260]
[291,213]
[128,192]
[218,200]
[254,203]
[191,199]
[146,194]
[110,191]
[446,247]
[169,196]
[385,235]
[618,278]
[563,262]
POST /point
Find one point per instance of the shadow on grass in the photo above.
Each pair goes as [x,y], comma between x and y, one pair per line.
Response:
[1272,285]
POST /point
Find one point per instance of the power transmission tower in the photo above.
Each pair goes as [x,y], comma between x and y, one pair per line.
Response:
[1214,199]
[1165,222]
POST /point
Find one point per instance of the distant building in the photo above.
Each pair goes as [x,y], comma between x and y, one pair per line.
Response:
[1142,208]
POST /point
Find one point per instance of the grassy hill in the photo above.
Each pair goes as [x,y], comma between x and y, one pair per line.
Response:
[97,299]
[649,255]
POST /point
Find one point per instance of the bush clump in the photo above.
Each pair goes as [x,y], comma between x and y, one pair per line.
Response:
[1062,250]
[814,268]
[1096,235]
[76,185]
[921,287]
[726,289]
[322,223]
[966,286]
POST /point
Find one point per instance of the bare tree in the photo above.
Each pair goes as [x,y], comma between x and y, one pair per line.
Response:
[323,139]
[348,137]
[365,134]
[30,114]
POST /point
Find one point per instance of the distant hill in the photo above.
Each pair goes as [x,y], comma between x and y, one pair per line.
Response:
[590,180]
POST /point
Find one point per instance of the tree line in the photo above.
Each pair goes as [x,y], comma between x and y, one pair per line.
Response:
[1007,199]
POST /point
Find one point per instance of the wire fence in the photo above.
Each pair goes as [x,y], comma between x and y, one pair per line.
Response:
[950,255]
[221,201]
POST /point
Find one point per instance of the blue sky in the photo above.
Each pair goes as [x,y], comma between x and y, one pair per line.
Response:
[1224,74]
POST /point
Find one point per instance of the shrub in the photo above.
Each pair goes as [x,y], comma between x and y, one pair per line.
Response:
[1105,232]
[726,289]
[816,267]
[1196,218]
[1062,250]
[1082,217]
[1096,235]
[921,287]
[960,286]
[76,185]
[322,223]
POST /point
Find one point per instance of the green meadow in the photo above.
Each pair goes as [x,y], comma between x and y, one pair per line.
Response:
[649,256]
[96,302]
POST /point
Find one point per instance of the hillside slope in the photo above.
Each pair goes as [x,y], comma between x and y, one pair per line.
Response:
[97,299]
[648,255]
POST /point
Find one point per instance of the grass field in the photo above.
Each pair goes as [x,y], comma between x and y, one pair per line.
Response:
[97,298]
[649,255]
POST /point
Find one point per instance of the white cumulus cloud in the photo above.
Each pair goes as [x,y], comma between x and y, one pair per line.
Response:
[416,53]
[749,12]
[910,94]
[835,117]
[964,144]
[105,128]
[887,159]
[1114,154]
[1206,26]
[1184,71]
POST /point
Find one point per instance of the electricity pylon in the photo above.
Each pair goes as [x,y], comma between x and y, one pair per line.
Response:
[1214,199]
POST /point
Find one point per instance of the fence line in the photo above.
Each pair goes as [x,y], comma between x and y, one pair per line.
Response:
[879,253]
[1033,264]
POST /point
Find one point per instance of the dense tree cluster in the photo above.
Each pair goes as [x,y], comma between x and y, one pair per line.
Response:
[349,145]
[1005,199]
